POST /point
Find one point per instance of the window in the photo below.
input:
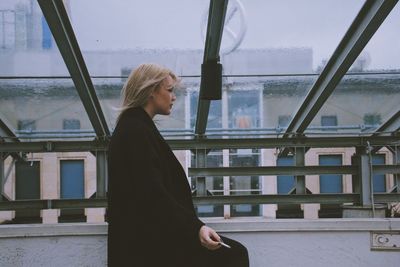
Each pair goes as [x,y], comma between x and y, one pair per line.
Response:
[330,183]
[72,179]
[284,120]
[372,119]
[26,125]
[328,121]
[244,109]
[46,35]
[285,182]
[71,124]
[27,186]
[379,182]
[7,29]
[244,185]
[214,116]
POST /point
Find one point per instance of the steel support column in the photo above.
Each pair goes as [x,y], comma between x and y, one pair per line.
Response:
[200,158]
[101,167]
[215,26]
[300,179]
[362,180]
[2,177]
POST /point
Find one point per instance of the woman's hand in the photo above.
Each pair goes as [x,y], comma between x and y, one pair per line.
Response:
[209,238]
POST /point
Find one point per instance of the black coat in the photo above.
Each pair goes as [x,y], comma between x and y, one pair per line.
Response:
[151,218]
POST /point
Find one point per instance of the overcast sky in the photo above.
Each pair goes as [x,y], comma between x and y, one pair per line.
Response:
[160,24]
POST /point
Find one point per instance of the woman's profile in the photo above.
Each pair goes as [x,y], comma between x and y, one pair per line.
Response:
[152,220]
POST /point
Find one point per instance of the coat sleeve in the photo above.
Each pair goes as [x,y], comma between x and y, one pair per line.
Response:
[157,203]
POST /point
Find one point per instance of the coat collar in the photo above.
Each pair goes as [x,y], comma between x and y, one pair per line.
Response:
[142,115]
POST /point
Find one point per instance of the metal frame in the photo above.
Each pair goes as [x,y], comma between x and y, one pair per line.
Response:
[215,26]
[198,144]
[289,170]
[57,18]
[392,125]
[216,200]
[367,22]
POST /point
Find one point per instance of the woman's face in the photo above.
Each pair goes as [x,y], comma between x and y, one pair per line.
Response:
[163,98]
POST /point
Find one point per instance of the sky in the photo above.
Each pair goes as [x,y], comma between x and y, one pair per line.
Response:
[265,24]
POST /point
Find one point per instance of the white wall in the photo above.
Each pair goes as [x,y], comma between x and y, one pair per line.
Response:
[272,243]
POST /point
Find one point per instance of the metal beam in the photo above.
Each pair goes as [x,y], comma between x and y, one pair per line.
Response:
[216,200]
[392,125]
[186,144]
[102,174]
[367,22]
[215,26]
[300,153]
[7,136]
[60,26]
[288,170]
[272,170]
[56,146]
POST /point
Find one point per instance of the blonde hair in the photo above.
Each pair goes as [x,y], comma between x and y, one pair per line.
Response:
[141,83]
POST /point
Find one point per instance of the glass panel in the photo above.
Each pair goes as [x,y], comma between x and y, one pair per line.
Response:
[361,103]
[109,92]
[284,36]
[38,108]
[370,93]
[166,32]
[265,36]
[382,51]
[26,40]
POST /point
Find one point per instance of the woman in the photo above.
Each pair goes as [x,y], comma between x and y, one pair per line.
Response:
[152,221]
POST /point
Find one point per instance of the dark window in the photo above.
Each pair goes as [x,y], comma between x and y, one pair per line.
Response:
[27,186]
[71,124]
[329,121]
[284,120]
[372,119]
[26,125]
[27,180]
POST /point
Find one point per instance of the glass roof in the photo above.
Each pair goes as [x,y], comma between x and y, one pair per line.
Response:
[26,43]
[285,36]
[136,31]
[370,92]
[43,109]
[272,53]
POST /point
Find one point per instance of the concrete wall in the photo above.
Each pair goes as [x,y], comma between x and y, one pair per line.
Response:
[323,242]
